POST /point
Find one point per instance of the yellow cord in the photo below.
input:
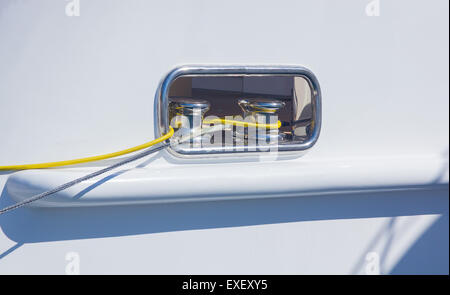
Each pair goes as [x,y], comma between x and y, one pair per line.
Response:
[133,149]
[91,159]
[243,123]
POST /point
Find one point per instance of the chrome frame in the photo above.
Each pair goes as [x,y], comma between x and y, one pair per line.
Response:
[162,99]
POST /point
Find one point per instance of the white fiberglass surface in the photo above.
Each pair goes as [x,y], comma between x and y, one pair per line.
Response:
[75,86]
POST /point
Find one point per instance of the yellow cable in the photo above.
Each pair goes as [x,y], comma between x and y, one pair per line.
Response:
[243,123]
[133,149]
[90,159]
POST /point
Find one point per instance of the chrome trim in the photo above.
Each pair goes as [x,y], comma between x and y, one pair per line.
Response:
[162,97]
